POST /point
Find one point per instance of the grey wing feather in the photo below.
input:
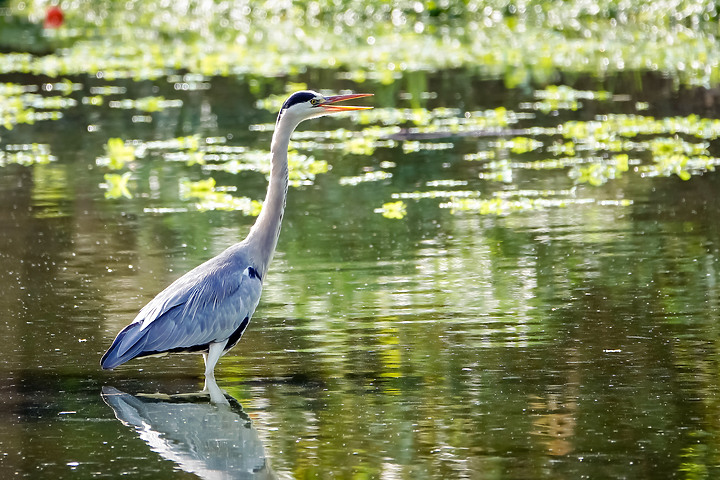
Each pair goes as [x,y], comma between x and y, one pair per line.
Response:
[209,310]
[205,305]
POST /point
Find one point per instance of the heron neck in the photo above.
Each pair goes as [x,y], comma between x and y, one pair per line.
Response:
[264,233]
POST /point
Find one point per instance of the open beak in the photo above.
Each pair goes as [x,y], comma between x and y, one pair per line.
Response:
[329,104]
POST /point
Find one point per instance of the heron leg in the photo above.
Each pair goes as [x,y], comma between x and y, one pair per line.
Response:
[211,358]
[217,396]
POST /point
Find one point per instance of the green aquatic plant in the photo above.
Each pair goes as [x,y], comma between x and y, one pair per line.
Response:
[369,139]
[563,97]
[361,145]
[561,148]
[190,143]
[670,148]
[518,145]
[681,165]
[393,210]
[599,172]
[227,202]
[518,201]
[498,171]
[116,185]
[631,126]
[146,104]
[598,151]
[519,43]
[208,196]
[411,146]
[19,104]
[664,146]
[26,154]
[567,93]
[592,152]
[551,163]
[373,176]
[303,168]
[405,116]
[480,156]
[118,154]
[198,189]
[417,195]
[210,154]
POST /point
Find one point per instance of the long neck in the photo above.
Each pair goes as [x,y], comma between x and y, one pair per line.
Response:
[264,234]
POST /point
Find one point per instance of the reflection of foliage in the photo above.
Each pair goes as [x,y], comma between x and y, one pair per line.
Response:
[527,325]
[693,465]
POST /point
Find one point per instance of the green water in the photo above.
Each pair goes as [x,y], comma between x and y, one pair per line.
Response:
[508,269]
[560,342]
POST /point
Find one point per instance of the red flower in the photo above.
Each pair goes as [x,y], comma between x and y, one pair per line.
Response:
[54,17]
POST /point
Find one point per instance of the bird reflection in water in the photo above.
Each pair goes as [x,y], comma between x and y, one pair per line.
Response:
[211,440]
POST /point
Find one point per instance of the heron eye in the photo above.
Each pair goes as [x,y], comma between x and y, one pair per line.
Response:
[314,101]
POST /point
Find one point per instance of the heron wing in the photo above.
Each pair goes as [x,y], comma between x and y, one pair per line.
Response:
[206,305]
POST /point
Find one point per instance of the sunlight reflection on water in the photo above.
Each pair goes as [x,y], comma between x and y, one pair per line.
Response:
[557,343]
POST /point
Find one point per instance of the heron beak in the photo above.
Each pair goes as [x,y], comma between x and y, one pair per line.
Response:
[329,104]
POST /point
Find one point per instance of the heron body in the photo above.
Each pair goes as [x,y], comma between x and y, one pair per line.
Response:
[208,309]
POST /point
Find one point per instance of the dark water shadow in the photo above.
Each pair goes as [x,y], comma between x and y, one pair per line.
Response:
[210,440]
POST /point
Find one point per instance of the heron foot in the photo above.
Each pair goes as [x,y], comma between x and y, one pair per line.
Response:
[217,395]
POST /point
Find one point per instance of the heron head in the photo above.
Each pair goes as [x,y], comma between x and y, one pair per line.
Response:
[308,104]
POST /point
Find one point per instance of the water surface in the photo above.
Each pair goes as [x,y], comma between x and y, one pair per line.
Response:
[576,342]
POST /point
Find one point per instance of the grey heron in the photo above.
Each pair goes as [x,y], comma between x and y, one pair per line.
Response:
[207,309]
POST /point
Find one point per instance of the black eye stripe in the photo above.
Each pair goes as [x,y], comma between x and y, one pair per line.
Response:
[298,97]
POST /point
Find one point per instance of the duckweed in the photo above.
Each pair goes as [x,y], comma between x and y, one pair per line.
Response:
[373,176]
[184,46]
[600,172]
[116,185]
[146,104]
[118,154]
[208,196]
[505,206]
[519,43]
[26,154]
[20,105]
[592,153]
[211,154]
[412,146]
[518,144]
[393,210]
